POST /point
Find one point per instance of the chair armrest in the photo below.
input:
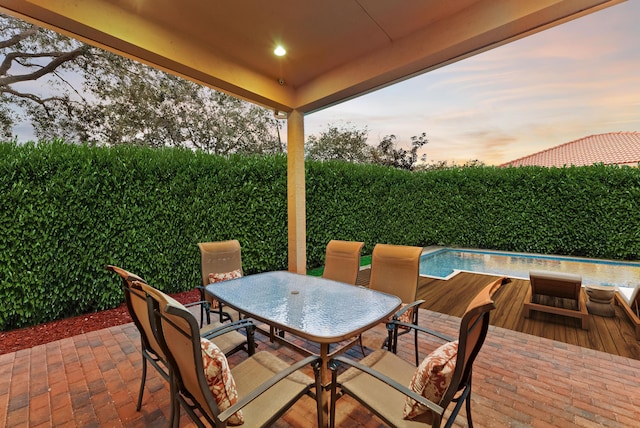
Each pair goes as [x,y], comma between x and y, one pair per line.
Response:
[393,324]
[266,386]
[202,290]
[199,303]
[387,380]
[406,308]
[236,325]
[202,301]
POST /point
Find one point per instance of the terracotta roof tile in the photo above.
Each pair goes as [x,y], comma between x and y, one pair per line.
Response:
[614,148]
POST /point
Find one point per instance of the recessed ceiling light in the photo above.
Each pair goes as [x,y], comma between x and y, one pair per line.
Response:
[279,51]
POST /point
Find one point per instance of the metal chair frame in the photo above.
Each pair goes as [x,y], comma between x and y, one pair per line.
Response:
[152,354]
[149,353]
[387,260]
[182,397]
[473,328]
[226,256]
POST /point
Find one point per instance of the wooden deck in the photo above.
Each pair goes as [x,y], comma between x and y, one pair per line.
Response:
[612,335]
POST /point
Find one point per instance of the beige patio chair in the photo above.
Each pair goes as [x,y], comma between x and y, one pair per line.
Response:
[403,396]
[395,269]
[628,298]
[256,392]
[342,261]
[556,285]
[219,261]
[138,308]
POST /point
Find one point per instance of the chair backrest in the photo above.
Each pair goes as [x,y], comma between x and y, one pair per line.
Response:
[395,269]
[178,333]
[634,300]
[136,301]
[556,284]
[342,261]
[219,257]
[473,332]
[631,295]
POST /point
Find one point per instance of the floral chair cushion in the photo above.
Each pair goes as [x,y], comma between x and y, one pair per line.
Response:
[431,380]
[406,317]
[220,379]
[219,277]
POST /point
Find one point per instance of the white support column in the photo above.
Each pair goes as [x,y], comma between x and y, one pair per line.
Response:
[296,200]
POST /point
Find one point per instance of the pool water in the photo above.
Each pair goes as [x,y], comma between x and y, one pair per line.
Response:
[445,263]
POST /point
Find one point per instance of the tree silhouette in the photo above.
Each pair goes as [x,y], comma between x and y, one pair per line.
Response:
[70,90]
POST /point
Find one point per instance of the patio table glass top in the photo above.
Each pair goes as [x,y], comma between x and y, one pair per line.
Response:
[315,308]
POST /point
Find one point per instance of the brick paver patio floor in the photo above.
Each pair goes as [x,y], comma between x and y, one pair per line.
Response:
[92,380]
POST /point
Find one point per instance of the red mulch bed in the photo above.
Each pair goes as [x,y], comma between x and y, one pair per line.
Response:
[29,337]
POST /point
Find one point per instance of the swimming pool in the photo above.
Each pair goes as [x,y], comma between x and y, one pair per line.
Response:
[444,263]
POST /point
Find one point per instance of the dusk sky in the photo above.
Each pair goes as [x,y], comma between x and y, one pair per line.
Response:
[578,79]
[568,82]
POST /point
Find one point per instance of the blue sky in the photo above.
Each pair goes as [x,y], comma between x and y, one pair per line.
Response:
[568,82]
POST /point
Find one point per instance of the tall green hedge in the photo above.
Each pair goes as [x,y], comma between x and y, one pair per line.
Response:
[581,211]
[66,211]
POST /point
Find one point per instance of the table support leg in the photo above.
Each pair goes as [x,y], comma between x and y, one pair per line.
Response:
[325,377]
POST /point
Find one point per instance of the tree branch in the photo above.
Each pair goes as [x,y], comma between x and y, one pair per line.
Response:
[34,98]
[18,37]
[59,59]
[17,56]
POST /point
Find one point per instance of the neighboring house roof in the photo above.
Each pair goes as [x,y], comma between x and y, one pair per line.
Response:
[614,148]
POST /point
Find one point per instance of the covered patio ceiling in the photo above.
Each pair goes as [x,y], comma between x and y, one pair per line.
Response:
[336,49]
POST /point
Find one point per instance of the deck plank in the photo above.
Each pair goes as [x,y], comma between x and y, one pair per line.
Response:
[613,335]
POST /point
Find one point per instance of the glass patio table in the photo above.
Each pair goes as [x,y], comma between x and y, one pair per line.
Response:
[313,308]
